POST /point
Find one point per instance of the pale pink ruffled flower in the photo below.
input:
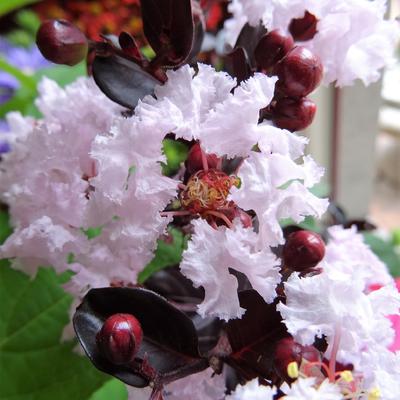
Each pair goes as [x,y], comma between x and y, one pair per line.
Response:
[308,389]
[353,40]
[204,385]
[347,252]
[252,390]
[210,254]
[201,106]
[276,187]
[82,166]
[335,306]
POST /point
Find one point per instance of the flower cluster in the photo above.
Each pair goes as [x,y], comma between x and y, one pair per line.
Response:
[351,37]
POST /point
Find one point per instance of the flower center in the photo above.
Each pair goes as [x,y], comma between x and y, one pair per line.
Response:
[208,191]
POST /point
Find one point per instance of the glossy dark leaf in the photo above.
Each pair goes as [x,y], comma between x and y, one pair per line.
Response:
[248,39]
[169,28]
[171,284]
[253,337]
[198,37]
[175,287]
[129,46]
[208,331]
[238,64]
[122,80]
[169,343]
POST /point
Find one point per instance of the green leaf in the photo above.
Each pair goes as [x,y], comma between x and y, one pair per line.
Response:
[176,152]
[25,80]
[111,390]
[92,233]
[28,20]
[5,227]
[62,74]
[385,250]
[34,365]
[7,6]
[396,237]
[167,254]
[309,223]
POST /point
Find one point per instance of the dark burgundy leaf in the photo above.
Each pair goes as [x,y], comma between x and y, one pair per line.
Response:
[208,331]
[362,225]
[169,28]
[248,39]
[335,215]
[169,337]
[238,64]
[304,28]
[171,284]
[122,80]
[129,46]
[198,38]
[253,337]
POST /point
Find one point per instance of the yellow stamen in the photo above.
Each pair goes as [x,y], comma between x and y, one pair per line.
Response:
[374,394]
[347,376]
[293,370]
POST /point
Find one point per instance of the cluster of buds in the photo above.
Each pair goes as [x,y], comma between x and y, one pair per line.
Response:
[298,69]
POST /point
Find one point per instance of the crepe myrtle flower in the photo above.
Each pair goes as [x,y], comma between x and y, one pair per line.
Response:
[351,37]
[266,180]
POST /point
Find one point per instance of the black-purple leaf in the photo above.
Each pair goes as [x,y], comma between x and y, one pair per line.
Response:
[238,64]
[253,337]
[122,80]
[248,39]
[171,284]
[129,46]
[169,28]
[199,32]
[169,337]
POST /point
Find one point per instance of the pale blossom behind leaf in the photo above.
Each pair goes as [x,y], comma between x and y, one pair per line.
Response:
[252,390]
[309,389]
[353,39]
[210,254]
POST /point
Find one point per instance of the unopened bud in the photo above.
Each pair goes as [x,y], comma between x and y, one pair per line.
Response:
[62,42]
[194,160]
[303,250]
[119,339]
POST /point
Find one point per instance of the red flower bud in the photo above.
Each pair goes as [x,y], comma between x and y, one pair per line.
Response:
[303,250]
[119,339]
[300,72]
[287,351]
[305,28]
[194,160]
[62,42]
[272,47]
[293,114]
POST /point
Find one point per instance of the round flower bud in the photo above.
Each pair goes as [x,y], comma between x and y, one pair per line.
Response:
[194,160]
[287,351]
[304,28]
[119,338]
[299,72]
[293,114]
[303,250]
[62,42]
[272,47]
